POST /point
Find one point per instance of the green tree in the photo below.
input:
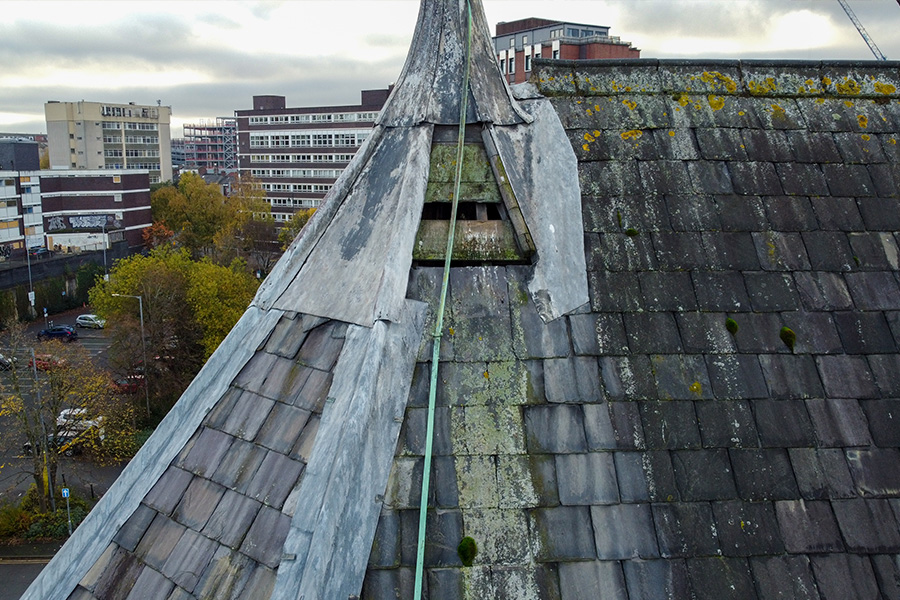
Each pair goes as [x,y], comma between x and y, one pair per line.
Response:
[294,226]
[194,210]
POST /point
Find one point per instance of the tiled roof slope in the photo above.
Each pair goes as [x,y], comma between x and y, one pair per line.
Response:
[665,441]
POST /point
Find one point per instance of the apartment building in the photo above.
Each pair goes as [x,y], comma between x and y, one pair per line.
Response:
[518,43]
[298,153]
[97,135]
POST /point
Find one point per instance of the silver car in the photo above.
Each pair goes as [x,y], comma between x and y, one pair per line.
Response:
[90,321]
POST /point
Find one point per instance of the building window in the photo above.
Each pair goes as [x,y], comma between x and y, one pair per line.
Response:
[556,54]
[512,64]
[512,42]
[503,65]
[586,33]
[571,32]
[524,40]
[527,62]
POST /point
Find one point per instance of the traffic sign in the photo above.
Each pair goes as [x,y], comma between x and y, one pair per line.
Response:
[65,492]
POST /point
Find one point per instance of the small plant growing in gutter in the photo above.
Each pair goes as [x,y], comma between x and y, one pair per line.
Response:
[732,326]
[631,232]
[467,551]
[788,336]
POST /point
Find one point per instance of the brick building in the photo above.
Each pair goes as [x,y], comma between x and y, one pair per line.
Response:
[517,43]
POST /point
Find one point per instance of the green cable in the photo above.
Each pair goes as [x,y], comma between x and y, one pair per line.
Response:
[439,322]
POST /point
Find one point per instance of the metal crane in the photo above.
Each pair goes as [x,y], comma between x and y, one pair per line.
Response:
[862,30]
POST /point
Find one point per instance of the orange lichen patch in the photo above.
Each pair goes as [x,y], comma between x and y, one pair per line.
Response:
[597,107]
[716,102]
[596,133]
[633,134]
[586,147]
[765,87]
[848,104]
[589,112]
[589,137]
[885,88]
[863,121]
[849,87]
[683,100]
[716,80]
[826,80]
[671,134]
[820,100]
[696,387]
[892,141]
[741,113]
[778,112]
[866,137]
[631,105]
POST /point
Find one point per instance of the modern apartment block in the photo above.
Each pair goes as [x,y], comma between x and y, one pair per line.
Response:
[517,43]
[72,210]
[211,145]
[298,153]
[96,135]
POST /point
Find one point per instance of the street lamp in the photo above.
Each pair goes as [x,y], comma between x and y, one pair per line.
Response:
[143,347]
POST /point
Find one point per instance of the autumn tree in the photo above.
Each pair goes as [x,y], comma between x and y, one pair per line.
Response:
[194,210]
[188,308]
[294,226]
[250,232]
[60,377]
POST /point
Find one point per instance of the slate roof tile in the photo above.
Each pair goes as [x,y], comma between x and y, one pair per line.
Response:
[828,251]
[880,214]
[617,213]
[813,147]
[660,476]
[658,579]
[562,533]
[720,144]
[826,114]
[887,573]
[759,332]
[886,180]
[664,177]
[874,251]
[516,482]
[620,252]
[574,379]
[868,526]
[150,585]
[477,480]
[166,493]
[764,474]
[838,422]
[282,428]
[502,535]
[322,347]
[598,334]
[783,423]
[883,417]
[627,377]
[726,424]
[823,291]
[771,291]
[390,584]
[779,577]
[188,560]
[274,479]
[712,177]
[790,213]
[858,148]
[677,251]
[445,529]
[314,392]
[704,475]
[412,432]
[231,519]
[630,475]
[875,471]
[611,292]
[239,465]
[730,250]
[747,528]
[755,179]
[704,332]
[134,528]
[157,544]
[785,114]
[685,529]
[533,337]
[119,577]
[554,429]
[204,455]
[846,377]
[265,539]
[609,178]
[613,425]
[874,291]
[248,413]
[808,526]
[287,337]
[652,333]
[720,291]
[199,501]
[791,376]
[844,577]
[848,180]
[676,144]
[594,579]
[766,145]
[822,474]
[818,332]
[801,179]
[837,214]
[586,479]
[442,584]
[691,212]
[624,531]
[681,377]
[779,251]
[228,575]
[670,425]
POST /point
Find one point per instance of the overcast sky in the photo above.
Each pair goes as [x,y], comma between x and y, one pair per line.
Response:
[209,58]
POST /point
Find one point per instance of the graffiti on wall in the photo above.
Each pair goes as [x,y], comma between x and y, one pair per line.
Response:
[95,222]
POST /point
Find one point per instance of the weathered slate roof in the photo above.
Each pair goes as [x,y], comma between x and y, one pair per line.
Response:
[621,418]
[638,448]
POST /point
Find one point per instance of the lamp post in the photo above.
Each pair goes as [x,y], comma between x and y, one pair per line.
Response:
[143,347]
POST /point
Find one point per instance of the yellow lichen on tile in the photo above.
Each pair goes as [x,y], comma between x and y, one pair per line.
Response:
[848,103]
[849,87]
[885,88]
[764,87]
[863,121]
[716,80]
[586,147]
[716,102]
[866,137]
[632,134]
[671,134]
[590,137]
[631,105]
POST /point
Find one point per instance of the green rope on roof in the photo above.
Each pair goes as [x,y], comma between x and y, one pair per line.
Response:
[439,321]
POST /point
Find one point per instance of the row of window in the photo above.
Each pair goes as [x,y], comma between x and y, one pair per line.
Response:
[296,202]
[121,111]
[305,140]
[294,158]
[134,165]
[132,153]
[509,65]
[297,173]
[116,125]
[354,117]
[131,139]
[297,188]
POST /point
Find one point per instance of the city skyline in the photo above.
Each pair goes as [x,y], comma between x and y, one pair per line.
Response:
[207,62]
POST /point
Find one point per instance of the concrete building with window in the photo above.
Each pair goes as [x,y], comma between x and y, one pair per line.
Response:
[518,43]
[298,153]
[97,135]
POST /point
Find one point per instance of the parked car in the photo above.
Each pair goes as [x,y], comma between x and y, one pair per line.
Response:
[45,362]
[65,333]
[130,384]
[40,252]
[8,363]
[90,321]
[72,425]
